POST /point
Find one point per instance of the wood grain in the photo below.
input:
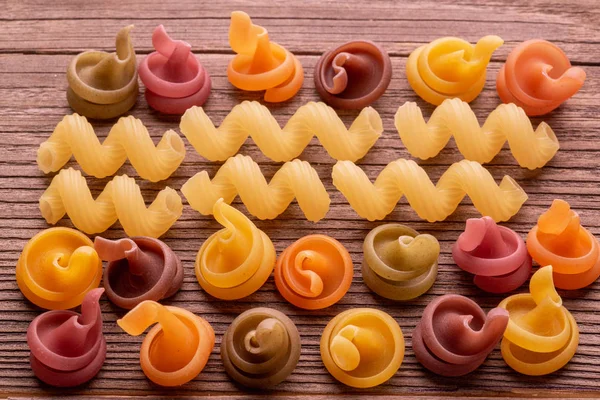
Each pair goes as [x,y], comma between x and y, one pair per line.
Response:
[37,40]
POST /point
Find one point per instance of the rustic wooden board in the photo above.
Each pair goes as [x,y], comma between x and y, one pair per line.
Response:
[37,40]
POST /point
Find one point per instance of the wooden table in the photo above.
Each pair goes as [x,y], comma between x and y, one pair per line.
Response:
[38,39]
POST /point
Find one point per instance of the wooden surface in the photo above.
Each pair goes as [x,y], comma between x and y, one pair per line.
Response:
[37,40]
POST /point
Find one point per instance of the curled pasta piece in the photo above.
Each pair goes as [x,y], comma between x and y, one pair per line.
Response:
[496,255]
[240,175]
[104,85]
[176,349]
[260,348]
[353,75]
[67,348]
[128,138]
[314,272]
[450,67]
[138,269]
[237,260]
[454,336]
[261,64]
[374,201]
[559,240]
[541,336]
[121,199]
[57,268]
[531,148]
[362,347]
[538,77]
[399,263]
[174,78]
[251,118]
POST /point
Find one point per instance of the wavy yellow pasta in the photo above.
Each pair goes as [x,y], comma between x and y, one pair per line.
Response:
[431,202]
[128,138]
[121,199]
[250,118]
[454,117]
[241,175]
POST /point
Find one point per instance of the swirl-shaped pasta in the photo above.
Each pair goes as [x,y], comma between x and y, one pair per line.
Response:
[362,347]
[121,199]
[431,202]
[175,350]
[241,175]
[538,77]
[57,268]
[450,67]
[174,78]
[128,138]
[496,255]
[104,85]
[314,272]
[559,240]
[68,349]
[399,263]
[531,148]
[261,64]
[138,269]
[237,260]
[260,348]
[454,336]
[353,75]
[541,336]
[251,118]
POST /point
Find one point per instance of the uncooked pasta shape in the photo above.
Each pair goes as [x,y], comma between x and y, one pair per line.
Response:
[251,118]
[542,335]
[261,64]
[450,67]
[128,138]
[240,175]
[399,263]
[454,117]
[237,260]
[538,76]
[374,201]
[454,336]
[121,200]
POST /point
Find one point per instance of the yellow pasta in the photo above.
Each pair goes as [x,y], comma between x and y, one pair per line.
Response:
[121,199]
[128,138]
[431,202]
[250,118]
[454,117]
[241,175]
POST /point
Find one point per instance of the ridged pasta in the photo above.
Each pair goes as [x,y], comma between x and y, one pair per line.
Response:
[121,199]
[454,117]
[431,202]
[250,118]
[240,175]
[128,138]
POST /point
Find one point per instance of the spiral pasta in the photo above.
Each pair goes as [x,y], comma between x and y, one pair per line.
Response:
[538,77]
[251,118]
[362,347]
[454,336]
[237,260]
[542,335]
[450,67]
[399,263]
[121,199]
[260,348]
[241,175]
[128,138]
[314,272]
[431,202]
[454,117]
